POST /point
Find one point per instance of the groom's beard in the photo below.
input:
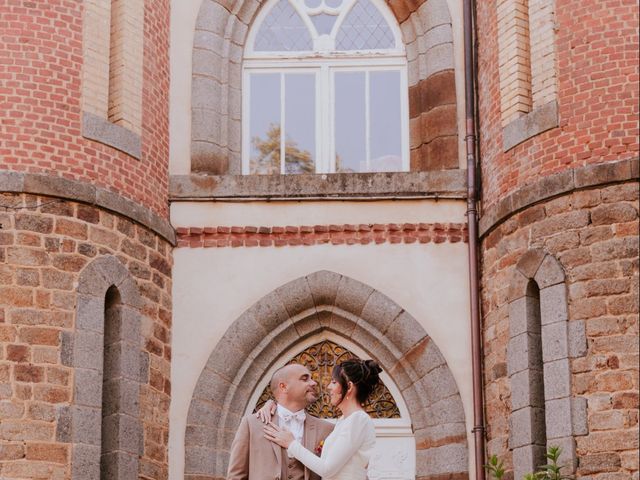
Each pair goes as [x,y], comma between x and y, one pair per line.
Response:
[311,397]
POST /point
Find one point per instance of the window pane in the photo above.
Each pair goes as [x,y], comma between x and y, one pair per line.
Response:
[350,121]
[300,123]
[283,30]
[264,125]
[364,29]
[386,152]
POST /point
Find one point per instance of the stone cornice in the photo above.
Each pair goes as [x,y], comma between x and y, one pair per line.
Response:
[78,191]
[437,184]
[545,188]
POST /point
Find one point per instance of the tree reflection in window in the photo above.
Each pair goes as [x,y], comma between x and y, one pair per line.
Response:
[267,160]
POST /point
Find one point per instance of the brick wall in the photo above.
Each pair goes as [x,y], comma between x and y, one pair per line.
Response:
[594,235]
[43,250]
[41,60]
[596,66]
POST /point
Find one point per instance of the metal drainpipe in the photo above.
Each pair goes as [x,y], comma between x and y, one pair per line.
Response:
[472,221]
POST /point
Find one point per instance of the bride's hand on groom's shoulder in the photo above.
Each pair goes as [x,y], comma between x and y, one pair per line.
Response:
[267,411]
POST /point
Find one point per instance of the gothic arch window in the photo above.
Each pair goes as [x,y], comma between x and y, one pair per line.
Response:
[320,358]
[102,424]
[542,342]
[325,89]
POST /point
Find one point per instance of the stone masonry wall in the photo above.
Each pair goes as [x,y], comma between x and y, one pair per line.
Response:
[41,59]
[594,235]
[43,249]
[596,48]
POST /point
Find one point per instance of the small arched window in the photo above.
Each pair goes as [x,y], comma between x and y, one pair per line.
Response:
[325,89]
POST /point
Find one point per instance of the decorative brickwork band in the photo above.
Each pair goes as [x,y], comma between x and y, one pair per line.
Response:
[293,236]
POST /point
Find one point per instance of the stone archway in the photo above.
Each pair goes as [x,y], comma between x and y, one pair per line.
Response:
[326,302]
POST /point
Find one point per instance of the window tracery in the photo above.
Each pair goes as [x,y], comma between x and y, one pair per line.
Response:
[325,89]
[320,360]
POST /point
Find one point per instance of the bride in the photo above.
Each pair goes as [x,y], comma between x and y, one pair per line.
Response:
[346,451]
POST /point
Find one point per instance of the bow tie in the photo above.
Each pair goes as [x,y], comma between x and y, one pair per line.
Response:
[296,417]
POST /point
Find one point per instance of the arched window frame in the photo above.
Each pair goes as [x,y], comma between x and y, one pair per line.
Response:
[555,415]
[325,62]
[81,424]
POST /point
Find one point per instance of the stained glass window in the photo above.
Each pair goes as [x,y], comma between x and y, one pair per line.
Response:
[320,360]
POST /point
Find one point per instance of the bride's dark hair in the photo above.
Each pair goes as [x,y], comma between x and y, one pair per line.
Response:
[364,374]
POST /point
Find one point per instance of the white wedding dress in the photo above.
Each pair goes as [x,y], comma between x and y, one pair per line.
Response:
[346,451]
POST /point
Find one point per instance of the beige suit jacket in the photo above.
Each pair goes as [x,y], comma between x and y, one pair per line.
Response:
[253,457]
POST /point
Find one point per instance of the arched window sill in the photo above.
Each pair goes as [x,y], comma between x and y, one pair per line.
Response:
[102,130]
[533,123]
[433,184]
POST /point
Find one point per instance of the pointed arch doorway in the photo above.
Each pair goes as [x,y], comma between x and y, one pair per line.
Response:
[394,457]
[320,304]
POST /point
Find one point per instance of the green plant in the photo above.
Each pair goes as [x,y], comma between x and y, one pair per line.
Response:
[550,471]
[495,467]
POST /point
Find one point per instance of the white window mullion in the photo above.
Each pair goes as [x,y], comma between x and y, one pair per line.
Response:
[282,120]
[367,121]
[328,121]
[246,141]
[320,147]
[404,119]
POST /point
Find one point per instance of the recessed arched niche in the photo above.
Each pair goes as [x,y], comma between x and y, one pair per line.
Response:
[395,452]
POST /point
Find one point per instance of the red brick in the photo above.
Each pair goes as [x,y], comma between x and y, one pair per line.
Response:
[18,353]
[28,373]
[48,452]
[88,214]
[625,400]
[51,394]
[71,228]
[11,451]
[34,223]
[16,296]
[40,336]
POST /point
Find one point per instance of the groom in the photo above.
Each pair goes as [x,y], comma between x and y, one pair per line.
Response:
[253,457]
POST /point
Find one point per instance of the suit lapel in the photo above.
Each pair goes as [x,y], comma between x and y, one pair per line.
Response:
[277,449]
[309,439]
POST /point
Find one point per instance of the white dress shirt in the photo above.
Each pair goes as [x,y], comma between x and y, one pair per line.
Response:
[292,421]
[346,452]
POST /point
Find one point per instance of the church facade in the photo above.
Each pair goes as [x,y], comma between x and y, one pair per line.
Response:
[197,192]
